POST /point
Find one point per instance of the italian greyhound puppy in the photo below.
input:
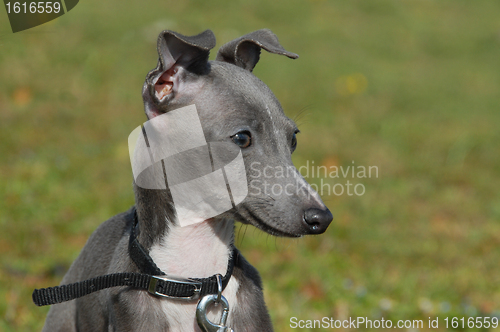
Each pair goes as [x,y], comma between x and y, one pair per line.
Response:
[234,107]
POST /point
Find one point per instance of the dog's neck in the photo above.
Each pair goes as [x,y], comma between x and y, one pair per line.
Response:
[194,251]
[199,250]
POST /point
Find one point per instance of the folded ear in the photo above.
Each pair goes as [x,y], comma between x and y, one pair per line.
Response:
[177,52]
[184,50]
[244,52]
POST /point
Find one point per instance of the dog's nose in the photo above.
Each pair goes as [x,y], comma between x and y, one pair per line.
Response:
[317,220]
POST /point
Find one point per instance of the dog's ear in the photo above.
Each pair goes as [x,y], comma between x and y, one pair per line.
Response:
[244,52]
[185,51]
[177,52]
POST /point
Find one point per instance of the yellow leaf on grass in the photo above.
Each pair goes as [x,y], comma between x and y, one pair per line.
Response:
[22,96]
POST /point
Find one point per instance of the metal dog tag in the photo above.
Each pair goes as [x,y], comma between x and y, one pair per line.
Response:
[201,314]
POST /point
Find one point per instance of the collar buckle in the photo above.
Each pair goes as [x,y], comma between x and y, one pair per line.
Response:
[164,279]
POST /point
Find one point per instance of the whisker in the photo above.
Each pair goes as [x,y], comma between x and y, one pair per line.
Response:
[299,117]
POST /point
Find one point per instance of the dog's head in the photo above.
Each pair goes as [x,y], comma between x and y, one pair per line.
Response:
[235,107]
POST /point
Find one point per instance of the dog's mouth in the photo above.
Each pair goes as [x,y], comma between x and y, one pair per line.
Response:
[273,231]
[252,217]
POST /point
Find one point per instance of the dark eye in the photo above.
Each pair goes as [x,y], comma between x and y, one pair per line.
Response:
[243,139]
[294,142]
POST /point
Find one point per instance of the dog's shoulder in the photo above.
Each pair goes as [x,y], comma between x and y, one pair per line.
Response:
[251,309]
[108,234]
[95,257]
[113,229]
[247,270]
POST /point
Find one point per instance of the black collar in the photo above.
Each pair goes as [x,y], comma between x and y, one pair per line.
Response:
[151,278]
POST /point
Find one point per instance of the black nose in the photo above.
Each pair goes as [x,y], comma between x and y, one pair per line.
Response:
[317,220]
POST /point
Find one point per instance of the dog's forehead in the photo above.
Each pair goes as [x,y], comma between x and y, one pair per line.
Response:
[229,78]
[242,96]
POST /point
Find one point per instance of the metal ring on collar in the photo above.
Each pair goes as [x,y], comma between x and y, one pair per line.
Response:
[219,287]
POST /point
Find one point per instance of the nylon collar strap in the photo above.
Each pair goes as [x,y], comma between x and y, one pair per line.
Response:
[151,279]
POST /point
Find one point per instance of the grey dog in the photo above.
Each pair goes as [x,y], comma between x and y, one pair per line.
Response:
[235,107]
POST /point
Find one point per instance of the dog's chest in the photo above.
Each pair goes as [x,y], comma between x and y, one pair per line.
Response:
[196,251]
[181,316]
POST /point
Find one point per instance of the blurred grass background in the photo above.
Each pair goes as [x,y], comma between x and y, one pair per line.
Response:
[412,87]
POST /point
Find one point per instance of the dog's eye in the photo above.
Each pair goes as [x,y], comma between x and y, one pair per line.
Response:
[294,141]
[243,139]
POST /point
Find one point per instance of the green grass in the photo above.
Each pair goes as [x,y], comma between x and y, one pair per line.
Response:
[412,87]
